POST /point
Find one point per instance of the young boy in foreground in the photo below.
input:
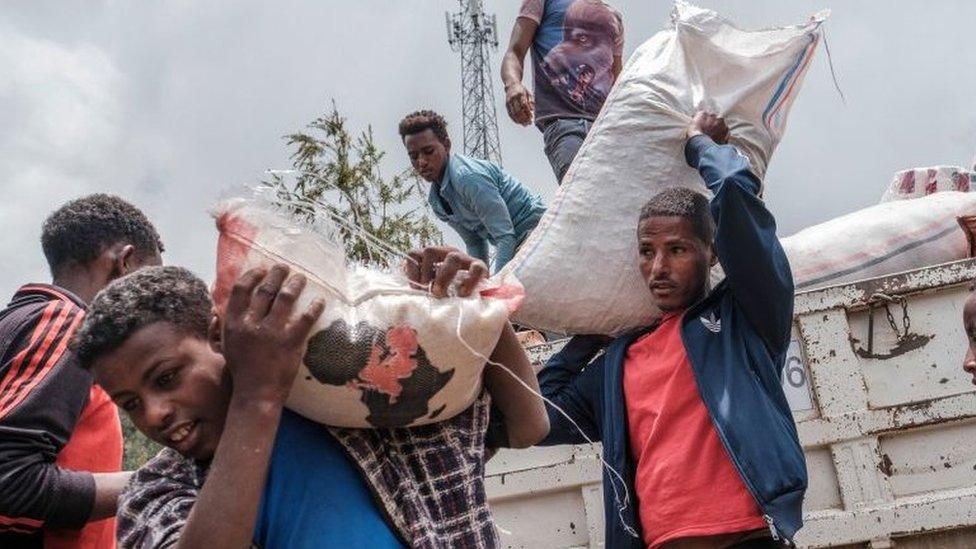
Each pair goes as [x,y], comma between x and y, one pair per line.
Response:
[238,468]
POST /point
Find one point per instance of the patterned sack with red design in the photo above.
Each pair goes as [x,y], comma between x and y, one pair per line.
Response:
[383,354]
[918,182]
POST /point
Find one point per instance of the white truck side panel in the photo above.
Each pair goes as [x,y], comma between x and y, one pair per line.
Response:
[887,422]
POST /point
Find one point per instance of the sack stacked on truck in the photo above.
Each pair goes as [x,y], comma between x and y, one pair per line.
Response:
[383,354]
[918,182]
[579,266]
[884,239]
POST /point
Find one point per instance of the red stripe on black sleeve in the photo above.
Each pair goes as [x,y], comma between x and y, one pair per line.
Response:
[37,337]
[35,366]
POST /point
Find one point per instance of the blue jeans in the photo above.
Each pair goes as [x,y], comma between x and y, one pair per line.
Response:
[563,137]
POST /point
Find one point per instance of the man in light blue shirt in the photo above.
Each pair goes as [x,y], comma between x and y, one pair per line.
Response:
[476,198]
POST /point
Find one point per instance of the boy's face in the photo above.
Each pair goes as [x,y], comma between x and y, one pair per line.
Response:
[969,323]
[173,386]
[674,261]
[428,155]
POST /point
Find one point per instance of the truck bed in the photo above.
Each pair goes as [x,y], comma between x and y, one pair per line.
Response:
[887,421]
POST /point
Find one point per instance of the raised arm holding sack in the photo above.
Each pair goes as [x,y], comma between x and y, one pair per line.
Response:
[690,410]
[634,151]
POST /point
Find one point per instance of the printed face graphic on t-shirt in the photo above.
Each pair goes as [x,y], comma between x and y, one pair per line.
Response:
[580,67]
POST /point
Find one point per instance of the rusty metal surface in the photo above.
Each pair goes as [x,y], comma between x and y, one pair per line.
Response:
[889,430]
[856,295]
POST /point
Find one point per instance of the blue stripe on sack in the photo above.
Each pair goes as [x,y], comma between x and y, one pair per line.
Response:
[880,259]
[787,79]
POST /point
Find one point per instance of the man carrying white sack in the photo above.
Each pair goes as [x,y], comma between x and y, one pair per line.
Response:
[239,469]
[690,410]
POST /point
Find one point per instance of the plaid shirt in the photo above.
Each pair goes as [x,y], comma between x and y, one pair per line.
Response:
[429,481]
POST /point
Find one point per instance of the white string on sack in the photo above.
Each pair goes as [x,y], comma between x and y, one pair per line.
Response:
[830,62]
[621,505]
[354,226]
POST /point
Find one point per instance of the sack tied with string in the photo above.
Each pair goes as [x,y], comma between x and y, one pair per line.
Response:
[579,266]
[383,353]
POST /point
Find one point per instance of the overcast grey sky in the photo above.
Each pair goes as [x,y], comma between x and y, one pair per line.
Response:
[169,103]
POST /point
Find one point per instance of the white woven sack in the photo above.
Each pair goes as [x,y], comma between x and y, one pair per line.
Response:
[383,354]
[579,266]
[887,238]
[918,182]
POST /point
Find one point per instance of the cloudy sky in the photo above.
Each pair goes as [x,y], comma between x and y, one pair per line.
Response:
[169,103]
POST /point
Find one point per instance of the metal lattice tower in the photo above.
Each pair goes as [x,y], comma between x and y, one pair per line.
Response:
[475,34]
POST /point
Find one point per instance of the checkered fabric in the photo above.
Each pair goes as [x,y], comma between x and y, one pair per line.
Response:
[429,481]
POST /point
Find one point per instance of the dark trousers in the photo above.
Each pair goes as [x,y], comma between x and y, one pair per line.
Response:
[562,138]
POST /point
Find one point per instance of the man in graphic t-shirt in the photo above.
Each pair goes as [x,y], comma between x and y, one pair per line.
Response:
[576,57]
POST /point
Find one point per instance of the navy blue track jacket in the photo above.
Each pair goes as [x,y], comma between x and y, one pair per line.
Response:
[736,339]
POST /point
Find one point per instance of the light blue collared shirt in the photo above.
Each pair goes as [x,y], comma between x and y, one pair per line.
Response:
[483,203]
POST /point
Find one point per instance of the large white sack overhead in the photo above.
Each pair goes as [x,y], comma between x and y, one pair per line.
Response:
[887,238]
[579,266]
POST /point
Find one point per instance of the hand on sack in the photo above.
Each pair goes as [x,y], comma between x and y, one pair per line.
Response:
[437,266]
[520,104]
[710,124]
[263,335]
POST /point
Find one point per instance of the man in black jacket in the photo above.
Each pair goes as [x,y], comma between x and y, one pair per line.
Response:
[60,437]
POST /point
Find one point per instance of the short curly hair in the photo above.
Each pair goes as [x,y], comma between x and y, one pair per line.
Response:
[82,229]
[419,121]
[682,202]
[129,303]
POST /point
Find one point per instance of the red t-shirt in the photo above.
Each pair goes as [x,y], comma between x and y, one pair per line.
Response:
[686,484]
[95,445]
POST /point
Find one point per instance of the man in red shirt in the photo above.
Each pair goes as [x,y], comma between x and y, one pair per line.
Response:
[690,410]
[678,453]
[60,437]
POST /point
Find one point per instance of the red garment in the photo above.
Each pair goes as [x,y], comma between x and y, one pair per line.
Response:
[95,445]
[686,484]
[54,418]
